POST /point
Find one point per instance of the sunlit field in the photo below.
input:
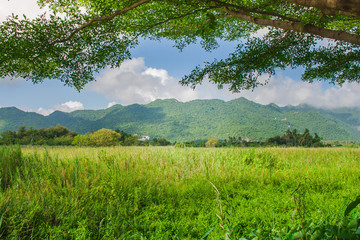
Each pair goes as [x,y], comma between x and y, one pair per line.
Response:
[178,193]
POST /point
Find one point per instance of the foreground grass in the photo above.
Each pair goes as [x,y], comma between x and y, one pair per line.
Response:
[170,193]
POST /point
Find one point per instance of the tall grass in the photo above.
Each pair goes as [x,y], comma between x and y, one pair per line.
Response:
[172,193]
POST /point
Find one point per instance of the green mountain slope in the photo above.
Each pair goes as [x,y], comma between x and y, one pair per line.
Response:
[199,119]
[93,115]
[12,118]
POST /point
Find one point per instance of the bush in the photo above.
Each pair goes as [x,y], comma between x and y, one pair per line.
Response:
[104,137]
[212,142]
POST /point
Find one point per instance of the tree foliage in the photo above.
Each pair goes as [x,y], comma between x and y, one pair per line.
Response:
[212,142]
[81,37]
[293,138]
[104,137]
[58,135]
[159,142]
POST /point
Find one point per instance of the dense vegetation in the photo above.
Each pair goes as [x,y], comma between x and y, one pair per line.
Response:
[289,139]
[198,120]
[293,138]
[172,193]
[60,135]
[107,137]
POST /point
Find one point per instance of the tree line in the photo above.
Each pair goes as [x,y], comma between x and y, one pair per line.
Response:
[61,136]
[53,136]
[293,138]
[289,139]
[107,137]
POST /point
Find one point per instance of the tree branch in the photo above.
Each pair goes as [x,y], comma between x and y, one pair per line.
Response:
[349,8]
[298,27]
[248,10]
[104,18]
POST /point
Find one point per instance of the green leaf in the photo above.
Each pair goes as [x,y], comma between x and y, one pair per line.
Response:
[207,233]
[351,206]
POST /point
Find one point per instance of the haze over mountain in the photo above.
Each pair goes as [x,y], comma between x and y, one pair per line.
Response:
[198,119]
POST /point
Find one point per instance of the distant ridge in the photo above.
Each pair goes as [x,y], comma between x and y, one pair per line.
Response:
[198,119]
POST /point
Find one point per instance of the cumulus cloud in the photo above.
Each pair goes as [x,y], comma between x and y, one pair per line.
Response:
[69,106]
[41,111]
[283,91]
[110,104]
[136,83]
[133,82]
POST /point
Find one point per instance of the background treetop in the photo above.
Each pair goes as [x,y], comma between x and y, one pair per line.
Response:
[78,38]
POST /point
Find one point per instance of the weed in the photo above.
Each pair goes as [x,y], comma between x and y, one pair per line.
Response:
[164,193]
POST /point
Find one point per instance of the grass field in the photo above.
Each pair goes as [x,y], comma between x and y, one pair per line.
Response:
[178,193]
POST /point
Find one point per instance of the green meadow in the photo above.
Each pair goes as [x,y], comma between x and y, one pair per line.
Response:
[178,193]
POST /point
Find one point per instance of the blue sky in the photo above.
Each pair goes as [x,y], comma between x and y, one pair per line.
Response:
[154,73]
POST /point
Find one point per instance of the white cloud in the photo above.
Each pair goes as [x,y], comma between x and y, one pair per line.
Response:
[42,111]
[136,83]
[69,106]
[286,91]
[110,104]
[133,82]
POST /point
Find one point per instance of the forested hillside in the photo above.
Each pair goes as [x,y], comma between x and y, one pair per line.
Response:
[198,119]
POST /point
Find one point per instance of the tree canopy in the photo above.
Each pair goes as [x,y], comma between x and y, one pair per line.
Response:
[80,37]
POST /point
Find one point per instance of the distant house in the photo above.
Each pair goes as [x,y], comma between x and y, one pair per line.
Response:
[144,138]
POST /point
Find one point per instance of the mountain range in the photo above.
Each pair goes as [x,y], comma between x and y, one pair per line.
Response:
[198,120]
